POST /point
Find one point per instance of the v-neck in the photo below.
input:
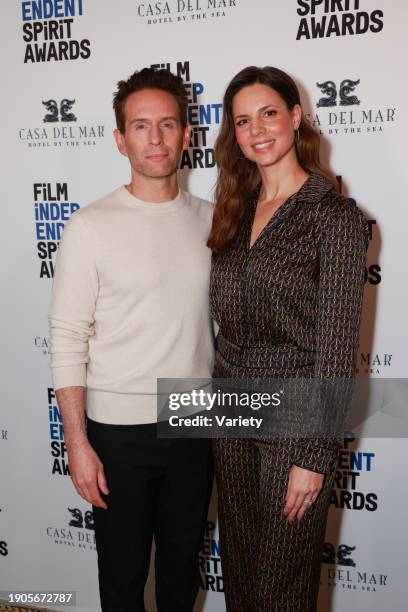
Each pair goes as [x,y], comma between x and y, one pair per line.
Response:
[274,219]
[279,212]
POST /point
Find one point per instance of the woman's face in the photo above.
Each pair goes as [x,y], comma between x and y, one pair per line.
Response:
[264,127]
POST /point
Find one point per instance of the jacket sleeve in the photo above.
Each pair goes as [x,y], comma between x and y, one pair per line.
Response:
[344,236]
[72,308]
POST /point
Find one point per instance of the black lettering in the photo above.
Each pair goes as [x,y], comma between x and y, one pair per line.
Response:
[3,549]
[60,467]
[183,71]
[85,48]
[358,501]
[47,269]
[304,7]
[198,155]
[42,250]
[52,52]
[345,497]
[372,274]
[29,54]
[371,502]
[318,28]
[28,32]
[63,50]
[333,27]
[59,449]
[362,23]
[347,25]
[377,19]
[74,49]
[209,158]
[185,160]
[303,29]
[53,27]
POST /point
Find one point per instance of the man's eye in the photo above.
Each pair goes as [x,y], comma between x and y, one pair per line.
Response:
[168,124]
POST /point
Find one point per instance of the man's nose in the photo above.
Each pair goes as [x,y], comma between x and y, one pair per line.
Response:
[156,135]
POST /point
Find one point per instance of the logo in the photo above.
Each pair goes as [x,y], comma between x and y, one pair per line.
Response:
[373,363]
[80,518]
[3,547]
[42,344]
[52,210]
[201,117]
[49,134]
[64,110]
[351,463]
[210,561]
[335,116]
[180,11]
[326,18]
[48,31]
[56,432]
[329,89]
[342,556]
[78,532]
[350,576]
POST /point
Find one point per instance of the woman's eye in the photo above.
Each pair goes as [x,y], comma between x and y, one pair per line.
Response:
[270,113]
[241,122]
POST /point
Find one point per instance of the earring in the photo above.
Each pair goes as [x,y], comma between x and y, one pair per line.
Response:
[297,136]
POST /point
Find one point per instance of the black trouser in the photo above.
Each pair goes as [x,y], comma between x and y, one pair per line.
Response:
[158,487]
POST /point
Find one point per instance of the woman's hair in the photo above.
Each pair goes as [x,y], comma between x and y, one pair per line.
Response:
[238,176]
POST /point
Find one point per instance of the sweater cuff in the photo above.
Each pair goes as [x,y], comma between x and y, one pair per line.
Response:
[69,376]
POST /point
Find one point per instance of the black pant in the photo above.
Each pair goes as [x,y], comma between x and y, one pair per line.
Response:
[158,487]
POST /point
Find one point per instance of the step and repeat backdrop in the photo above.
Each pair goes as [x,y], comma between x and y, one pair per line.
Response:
[61,60]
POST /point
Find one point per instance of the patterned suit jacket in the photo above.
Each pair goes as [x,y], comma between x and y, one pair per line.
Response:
[290,306]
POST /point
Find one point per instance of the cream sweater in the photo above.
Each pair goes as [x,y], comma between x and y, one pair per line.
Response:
[130,302]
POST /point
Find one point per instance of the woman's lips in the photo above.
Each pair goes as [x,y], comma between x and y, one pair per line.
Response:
[263,146]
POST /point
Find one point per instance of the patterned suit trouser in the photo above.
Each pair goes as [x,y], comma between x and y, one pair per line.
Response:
[269,565]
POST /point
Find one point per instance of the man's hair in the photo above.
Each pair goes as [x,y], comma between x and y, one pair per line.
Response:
[150,78]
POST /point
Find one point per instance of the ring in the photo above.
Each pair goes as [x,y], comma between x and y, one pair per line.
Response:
[308,502]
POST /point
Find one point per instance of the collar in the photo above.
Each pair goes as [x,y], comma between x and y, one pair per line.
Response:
[314,189]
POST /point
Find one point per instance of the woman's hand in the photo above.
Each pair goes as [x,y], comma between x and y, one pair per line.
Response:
[303,486]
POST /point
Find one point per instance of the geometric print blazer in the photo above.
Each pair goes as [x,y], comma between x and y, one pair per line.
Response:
[290,306]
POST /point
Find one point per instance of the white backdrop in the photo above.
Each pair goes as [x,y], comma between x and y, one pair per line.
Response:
[56,51]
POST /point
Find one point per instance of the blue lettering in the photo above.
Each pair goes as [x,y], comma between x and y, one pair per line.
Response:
[25,11]
[205,114]
[54,414]
[49,231]
[32,10]
[199,114]
[56,431]
[197,89]
[215,548]
[51,211]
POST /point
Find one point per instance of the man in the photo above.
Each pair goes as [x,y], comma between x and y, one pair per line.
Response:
[130,305]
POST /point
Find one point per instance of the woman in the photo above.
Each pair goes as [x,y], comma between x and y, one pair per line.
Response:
[286,290]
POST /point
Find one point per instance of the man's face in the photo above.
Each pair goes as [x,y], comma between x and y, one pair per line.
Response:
[153,138]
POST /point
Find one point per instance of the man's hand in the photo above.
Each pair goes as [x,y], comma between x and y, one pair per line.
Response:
[87,474]
[86,468]
[304,485]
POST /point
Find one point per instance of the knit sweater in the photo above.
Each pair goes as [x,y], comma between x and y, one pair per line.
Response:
[130,302]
